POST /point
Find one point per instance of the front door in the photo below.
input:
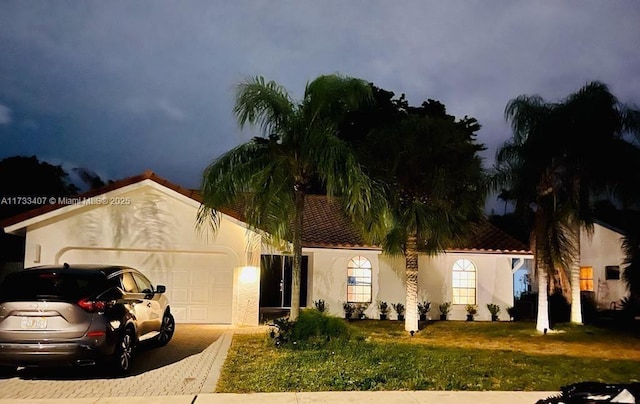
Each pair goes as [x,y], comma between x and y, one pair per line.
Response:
[275,281]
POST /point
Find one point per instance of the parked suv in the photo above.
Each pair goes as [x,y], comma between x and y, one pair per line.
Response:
[80,315]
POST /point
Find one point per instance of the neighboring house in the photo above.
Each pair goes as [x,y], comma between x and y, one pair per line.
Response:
[232,277]
[601,265]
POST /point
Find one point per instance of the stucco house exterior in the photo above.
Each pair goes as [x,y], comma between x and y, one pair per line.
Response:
[232,277]
[602,264]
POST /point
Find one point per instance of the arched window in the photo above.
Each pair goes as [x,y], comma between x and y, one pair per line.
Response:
[464,282]
[359,280]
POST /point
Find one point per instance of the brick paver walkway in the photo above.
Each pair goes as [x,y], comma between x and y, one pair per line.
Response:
[185,377]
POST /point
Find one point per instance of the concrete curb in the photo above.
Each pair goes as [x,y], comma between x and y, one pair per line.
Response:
[342,397]
[380,397]
[222,349]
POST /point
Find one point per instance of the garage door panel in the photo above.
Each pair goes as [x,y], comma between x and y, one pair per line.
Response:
[198,314]
[180,278]
[178,296]
[200,296]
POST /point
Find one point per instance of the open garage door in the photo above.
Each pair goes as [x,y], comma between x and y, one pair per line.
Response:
[199,284]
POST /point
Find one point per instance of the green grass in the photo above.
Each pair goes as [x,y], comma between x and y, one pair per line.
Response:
[444,356]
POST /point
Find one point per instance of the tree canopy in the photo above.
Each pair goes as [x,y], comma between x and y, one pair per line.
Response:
[428,164]
[299,147]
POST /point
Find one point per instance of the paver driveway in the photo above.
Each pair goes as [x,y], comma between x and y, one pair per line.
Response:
[181,367]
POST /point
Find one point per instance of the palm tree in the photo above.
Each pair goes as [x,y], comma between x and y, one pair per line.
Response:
[433,178]
[631,247]
[506,196]
[271,174]
[558,152]
[531,175]
[593,125]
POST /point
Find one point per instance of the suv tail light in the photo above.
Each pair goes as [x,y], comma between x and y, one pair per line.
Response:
[94,306]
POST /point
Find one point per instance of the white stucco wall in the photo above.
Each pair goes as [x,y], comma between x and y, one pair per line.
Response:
[328,280]
[327,277]
[602,248]
[494,283]
[152,229]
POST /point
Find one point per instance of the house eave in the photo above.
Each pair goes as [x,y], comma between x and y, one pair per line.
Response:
[491,251]
[320,246]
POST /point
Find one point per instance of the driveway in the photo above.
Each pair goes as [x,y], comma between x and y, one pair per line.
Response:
[181,367]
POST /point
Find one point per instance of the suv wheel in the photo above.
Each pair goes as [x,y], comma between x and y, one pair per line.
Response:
[124,352]
[166,329]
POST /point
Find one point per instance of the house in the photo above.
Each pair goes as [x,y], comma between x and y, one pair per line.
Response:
[232,277]
[601,265]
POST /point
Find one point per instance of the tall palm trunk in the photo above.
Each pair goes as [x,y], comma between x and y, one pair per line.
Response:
[576,303]
[542,320]
[297,255]
[411,267]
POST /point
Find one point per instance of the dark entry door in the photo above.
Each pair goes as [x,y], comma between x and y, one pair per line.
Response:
[275,281]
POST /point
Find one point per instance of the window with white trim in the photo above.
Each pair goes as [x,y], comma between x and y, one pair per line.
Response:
[463,280]
[359,280]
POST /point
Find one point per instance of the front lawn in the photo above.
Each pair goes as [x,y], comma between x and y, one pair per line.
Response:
[446,355]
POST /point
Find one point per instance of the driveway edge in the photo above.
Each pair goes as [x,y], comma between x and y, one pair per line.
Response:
[224,342]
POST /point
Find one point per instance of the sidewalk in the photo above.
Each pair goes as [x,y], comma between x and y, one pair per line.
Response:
[372,397]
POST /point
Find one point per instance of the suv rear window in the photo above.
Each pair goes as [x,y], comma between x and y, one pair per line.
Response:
[37,285]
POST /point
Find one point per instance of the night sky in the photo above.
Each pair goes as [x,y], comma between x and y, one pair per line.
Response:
[119,87]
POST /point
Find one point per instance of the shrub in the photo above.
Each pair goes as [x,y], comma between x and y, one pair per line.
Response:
[494,309]
[360,309]
[399,308]
[471,309]
[282,330]
[348,308]
[383,307]
[321,306]
[630,306]
[424,307]
[445,308]
[313,323]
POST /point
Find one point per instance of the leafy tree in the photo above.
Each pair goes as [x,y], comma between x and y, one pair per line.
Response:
[27,177]
[554,166]
[433,178]
[298,148]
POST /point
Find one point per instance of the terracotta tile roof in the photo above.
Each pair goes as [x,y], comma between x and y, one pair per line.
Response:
[487,237]
[325,226]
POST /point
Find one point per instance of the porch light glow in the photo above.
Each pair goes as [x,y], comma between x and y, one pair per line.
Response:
[249,275]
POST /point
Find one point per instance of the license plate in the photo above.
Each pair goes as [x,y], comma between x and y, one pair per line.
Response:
[34,323]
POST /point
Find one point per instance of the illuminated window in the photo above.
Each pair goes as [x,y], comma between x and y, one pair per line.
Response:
[359,280]
[586,279]
[464,282]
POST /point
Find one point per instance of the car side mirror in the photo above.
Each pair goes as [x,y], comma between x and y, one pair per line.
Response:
[161,289]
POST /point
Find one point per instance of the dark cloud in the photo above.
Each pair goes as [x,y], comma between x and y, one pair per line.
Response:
[121,86]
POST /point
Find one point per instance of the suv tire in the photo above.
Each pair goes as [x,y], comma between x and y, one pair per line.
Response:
[123,353]
[166,329]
